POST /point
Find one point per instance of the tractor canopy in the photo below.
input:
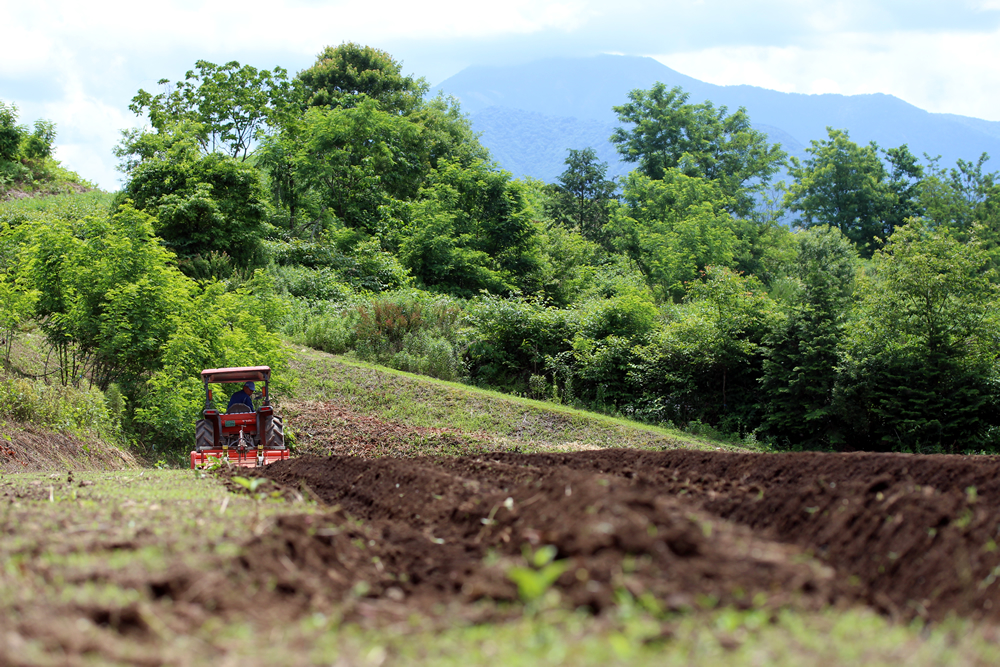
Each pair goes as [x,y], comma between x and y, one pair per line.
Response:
[240,374]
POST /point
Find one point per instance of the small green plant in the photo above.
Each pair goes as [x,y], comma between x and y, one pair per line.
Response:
[542,570]
[250,484]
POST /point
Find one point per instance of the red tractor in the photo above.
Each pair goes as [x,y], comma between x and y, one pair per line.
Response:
[241,436]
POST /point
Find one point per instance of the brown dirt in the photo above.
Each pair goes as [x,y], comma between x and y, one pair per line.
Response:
[27,448]
[325,429]
[437,538]
[910,536]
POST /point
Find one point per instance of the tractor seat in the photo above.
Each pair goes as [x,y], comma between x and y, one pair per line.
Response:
[237,408]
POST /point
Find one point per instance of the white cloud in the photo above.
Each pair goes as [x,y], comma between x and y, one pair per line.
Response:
[79,63]
[949,72]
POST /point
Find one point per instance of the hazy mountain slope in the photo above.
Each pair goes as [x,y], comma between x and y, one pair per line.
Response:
[527,112]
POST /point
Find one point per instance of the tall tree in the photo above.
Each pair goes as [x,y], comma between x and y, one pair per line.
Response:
[850,187]
[344,74]
[920,359]
[800,371]
[583,193]
[204,205]
[698,139]
[231,103]
[672,229]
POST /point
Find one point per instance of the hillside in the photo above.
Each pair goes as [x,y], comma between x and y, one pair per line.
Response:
[27,165]
[345,407]
[542,97]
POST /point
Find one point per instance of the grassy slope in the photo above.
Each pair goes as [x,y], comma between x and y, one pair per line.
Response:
[502,419]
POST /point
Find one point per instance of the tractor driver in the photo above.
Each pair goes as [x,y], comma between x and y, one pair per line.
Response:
[244,396]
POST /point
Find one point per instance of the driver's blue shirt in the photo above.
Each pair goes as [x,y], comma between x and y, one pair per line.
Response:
[241,397]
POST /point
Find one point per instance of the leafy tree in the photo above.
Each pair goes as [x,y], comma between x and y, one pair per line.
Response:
[470,231]
[231,104]
[960,197]
[17,307]
[920,360]
[672,228]
[447,133]
[361,159]
[698,140]
[11,133]
[205,205]
[583,194]
[800,369]
[513,339]
[342,76]
[38,144]
[965,200]
[703,365]
[568,264]
[848,186]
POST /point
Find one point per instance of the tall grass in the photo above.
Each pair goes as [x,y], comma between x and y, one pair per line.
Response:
[76,409]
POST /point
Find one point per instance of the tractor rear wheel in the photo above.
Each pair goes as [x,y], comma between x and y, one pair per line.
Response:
[204,435]
[275,433]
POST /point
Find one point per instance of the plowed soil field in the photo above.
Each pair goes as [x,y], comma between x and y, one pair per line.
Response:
[910,536]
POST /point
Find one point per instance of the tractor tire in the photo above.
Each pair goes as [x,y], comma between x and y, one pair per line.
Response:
[204,435]
[275,433]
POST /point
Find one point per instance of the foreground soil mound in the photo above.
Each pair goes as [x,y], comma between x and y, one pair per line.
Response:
[910,536]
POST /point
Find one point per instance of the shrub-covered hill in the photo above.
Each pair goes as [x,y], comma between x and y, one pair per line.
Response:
[344,209]
[27,165]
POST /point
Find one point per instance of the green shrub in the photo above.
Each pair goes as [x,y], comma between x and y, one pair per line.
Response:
[427,353]
[76,409]
[313,284]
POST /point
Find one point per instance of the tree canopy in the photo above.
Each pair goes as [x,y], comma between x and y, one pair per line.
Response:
[666,132]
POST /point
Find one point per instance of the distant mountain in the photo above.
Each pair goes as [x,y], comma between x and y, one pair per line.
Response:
[529,115]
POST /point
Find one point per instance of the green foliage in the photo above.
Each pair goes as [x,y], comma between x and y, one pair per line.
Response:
[11,134]
[698,140]
[26,157]
[569,267]
[38,144]
[469,232]
[78,409]
[704,364]
[673,228]
[346,74]
[583,194]
[848,186]
[361,158]
[800,372]
[229,104]
[407,330]
[203,204]
[920,359]
[539,574]
[512,339]
[604,349]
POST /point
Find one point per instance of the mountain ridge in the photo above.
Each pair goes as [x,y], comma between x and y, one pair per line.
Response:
[557,101]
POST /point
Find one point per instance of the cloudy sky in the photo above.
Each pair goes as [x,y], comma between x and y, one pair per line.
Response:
[79,64]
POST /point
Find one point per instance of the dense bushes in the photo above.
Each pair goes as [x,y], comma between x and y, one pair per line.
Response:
[79,409]
[408,330]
